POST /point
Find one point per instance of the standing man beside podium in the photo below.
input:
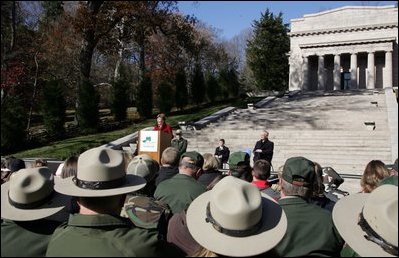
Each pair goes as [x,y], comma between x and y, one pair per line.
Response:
[162,125]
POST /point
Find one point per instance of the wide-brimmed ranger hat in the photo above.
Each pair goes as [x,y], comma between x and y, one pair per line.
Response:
[100,172]
[29,195]
[235,219]
[368,222]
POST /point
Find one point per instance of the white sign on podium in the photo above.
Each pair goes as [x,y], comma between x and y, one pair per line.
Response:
[149,141]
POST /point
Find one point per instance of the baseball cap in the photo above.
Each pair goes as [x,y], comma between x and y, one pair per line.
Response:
[299,171]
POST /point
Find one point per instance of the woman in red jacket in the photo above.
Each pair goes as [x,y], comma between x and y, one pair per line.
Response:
[162,125]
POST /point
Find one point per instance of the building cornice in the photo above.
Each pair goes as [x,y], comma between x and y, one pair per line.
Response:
[347,42]
[343,29]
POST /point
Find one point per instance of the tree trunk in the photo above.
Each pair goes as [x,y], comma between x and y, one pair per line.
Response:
[86,52]
[33,95]
[13,21]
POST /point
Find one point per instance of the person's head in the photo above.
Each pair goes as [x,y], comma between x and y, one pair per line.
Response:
[161,118]
[221,142]
[318,186]
[210,162]
[15,164]
[29,195]
[144,166]
[394,170]
[298,177]
[239,165]
[101,182]
[170,157]
[261,169]
[179,134]
[234,219]
[39,163]
[70,167]
[264,135]
[191,164]
[368,222]
[374,172]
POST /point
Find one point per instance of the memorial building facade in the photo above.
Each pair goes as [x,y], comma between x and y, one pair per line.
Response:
[352,47]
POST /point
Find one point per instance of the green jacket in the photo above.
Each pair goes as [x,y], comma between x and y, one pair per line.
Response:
[310,230]
[179,191]
[106,235]
[26,238]
[180,144]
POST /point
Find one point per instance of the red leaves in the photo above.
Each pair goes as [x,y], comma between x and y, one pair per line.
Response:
[12,75]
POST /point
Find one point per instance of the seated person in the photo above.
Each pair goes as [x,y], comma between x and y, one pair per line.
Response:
[260,174]
[239,165]
[210,169]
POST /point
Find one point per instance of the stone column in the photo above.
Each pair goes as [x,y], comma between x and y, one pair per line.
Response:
[337,72]
[320,74]
[354,71]
[388,70]
[305,72]
[370,71]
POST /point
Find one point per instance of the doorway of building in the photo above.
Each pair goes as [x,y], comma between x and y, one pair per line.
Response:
[345,80]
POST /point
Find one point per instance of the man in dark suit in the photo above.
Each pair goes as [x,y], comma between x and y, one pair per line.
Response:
[222,153]
[264,148]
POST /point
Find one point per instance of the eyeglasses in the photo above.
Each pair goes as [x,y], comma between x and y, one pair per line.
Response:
[375,238]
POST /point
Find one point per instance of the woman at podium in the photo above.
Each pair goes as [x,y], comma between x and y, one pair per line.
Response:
[162,125]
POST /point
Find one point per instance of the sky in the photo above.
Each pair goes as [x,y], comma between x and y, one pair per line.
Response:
[232,17]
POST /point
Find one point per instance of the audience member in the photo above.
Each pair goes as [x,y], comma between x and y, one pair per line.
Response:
[101,185]
[169,165]
[179,142]
[260,174]
[394,170]
[310,228]
[368,222]
[239,165]
[39,163]
[235,219]
[179,191]
[162,125]
[264,148]
[215,181]
[144,166]
[374,172]
[210,169]
[70,166]
[30,212]
[11,165]
[318,196]
[222,153]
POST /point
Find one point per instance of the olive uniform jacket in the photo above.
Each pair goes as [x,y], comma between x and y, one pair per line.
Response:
[180,144]
[179,191]
[26,238]
[106,235]
[310,230]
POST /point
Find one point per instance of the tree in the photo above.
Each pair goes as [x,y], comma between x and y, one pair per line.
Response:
[144,98]
[53,108]
[198,84]
[87,112]
[119,101]
[165,102]
[267,52]
[13,124]
[181,96]
[212,87]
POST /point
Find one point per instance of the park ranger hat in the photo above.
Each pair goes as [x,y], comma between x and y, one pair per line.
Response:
[29,195]
[100,172]
[368,222]
[236,219]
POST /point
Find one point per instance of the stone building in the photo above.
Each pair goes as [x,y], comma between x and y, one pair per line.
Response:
[353,47]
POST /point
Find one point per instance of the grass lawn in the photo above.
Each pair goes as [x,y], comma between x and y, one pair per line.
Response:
[63,149]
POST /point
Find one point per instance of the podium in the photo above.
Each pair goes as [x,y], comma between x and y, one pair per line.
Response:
[153,143]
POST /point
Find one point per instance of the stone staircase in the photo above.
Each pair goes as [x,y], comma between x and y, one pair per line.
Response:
[326,127]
